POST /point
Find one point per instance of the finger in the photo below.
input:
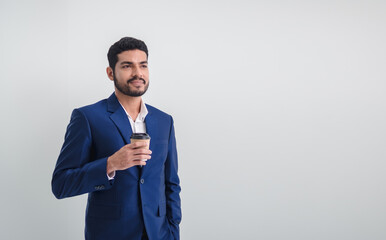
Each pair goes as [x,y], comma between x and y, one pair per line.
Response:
[140,157]
[139,162]
[141,151]
[140,144]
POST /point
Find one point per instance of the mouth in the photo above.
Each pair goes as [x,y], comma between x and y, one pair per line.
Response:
[137,82]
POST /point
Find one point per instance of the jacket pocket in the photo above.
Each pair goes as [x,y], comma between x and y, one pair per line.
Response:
[162,209]
[108,211]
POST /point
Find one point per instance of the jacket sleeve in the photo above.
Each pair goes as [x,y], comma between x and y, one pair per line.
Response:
[172,183]
[75,171]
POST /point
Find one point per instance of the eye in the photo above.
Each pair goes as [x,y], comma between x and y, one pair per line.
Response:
[125,66]
[144,66]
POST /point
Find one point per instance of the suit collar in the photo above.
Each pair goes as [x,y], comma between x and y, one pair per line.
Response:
[113,104]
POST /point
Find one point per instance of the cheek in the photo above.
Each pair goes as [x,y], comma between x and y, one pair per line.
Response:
[123,76]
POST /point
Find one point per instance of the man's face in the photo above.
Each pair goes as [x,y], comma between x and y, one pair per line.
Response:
[131,75]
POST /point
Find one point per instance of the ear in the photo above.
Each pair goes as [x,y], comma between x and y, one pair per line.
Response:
[110,73]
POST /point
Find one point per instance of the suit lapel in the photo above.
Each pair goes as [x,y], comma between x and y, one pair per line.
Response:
[151,129]
[122,123]
[119,117]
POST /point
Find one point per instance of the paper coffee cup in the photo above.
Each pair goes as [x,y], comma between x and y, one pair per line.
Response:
[141,137]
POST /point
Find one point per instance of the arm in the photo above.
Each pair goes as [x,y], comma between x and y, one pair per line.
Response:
[172,183]
[75,171]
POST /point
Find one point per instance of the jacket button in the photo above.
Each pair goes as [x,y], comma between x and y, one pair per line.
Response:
[100,187]
[142,180]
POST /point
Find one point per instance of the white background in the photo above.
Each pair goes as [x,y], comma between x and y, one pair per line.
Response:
[279,110]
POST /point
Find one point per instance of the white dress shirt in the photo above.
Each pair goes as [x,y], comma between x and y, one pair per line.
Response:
[137,126]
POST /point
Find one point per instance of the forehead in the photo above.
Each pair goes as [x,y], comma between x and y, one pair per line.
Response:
[132,56]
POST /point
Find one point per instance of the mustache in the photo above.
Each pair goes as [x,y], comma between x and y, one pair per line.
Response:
[136,78]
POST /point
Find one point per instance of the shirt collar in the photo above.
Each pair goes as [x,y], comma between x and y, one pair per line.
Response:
[142,113]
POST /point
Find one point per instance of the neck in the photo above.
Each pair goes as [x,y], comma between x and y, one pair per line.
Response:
[132,105]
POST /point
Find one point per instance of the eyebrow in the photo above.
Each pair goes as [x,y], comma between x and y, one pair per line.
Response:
[127,62]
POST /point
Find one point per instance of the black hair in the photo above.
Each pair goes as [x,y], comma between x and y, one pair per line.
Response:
[124,44]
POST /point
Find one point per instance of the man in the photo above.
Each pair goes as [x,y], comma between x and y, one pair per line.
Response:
[128,197]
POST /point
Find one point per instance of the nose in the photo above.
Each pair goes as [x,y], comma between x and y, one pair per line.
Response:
[137,72]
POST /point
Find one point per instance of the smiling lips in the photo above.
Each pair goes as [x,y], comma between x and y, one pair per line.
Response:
[137,82]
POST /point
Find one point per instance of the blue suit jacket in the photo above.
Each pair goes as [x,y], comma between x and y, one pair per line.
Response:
[136,198]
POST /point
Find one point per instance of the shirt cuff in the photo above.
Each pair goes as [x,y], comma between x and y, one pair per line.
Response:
[112,176]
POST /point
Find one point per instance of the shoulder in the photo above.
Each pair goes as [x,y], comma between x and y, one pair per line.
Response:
[157,112]
[94,108]
[161,116]
[89,112]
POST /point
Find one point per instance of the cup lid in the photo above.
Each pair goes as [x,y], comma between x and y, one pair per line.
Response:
[140,136]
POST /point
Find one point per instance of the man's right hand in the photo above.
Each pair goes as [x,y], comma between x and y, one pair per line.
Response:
[128,156]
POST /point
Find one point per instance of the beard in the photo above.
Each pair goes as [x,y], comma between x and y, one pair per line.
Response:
[130,90]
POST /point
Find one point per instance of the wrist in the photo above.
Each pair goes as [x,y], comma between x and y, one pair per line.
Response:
[109,168]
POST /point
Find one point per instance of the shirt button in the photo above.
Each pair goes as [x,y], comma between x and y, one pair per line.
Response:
[142,180]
